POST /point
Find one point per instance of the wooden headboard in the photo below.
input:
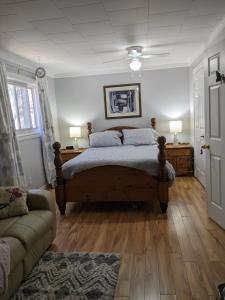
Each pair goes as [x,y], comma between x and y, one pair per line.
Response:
[120,128]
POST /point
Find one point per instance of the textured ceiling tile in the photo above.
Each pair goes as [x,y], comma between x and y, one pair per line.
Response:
[129,16]
[12,23]
[44,46]
[81,33]
[38,10]
[7,10]
[156,32]
[206,7]
[124,4]
[168,19]
[132,29]
[104,38]
[13,1]
[200,32]
[94,28]
[28,35]
[188,51]
[202,21]
[85,14]
[108,47]
[53,25]
[66,37]
[71,3]
[162,6]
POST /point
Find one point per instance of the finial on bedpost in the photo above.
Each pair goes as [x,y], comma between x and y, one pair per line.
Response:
[153,123]
[162,158]
[89,127]
[58,163]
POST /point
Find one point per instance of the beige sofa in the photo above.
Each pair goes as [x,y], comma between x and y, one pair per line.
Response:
[28,236]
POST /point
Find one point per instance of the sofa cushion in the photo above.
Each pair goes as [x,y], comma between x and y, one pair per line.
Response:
[5,224]
[13,201]
[31,227]
[17,251]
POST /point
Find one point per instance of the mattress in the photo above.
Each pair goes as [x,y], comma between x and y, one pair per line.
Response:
[143,157]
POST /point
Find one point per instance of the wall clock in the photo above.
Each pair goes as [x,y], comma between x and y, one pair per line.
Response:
[40,72]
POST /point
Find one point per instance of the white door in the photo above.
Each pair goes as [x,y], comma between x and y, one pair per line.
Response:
[199,123]
[215,134]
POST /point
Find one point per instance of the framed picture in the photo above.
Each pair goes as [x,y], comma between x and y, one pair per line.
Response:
[122,101]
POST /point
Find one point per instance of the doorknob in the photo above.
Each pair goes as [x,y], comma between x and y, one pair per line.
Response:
[220,77]
[206,146]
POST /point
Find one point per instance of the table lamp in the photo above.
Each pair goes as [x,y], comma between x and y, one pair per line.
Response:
[75,132]
[175,128]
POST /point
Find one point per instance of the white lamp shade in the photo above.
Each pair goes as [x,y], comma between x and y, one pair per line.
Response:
[75,132]
[175,126]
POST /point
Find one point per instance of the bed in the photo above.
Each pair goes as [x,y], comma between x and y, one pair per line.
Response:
[124,173]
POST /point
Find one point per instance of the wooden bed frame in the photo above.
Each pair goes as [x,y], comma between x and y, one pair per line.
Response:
[112,182]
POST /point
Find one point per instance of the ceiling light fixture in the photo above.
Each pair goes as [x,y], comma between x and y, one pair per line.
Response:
[135,64]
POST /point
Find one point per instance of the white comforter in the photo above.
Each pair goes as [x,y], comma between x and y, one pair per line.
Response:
[139,157]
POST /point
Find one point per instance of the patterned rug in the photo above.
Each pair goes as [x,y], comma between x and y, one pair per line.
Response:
[73,275]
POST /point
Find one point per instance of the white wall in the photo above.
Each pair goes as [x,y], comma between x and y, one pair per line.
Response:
[164,93]
[31,155]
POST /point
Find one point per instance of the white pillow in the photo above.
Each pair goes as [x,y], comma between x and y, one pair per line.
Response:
[155,134]
[142,136]
[105,138]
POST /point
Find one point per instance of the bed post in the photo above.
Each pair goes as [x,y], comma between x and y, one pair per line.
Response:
[153,123]
[89,128]
[163,184]
[59,188]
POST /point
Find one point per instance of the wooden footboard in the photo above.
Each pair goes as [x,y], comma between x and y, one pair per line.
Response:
[112,183]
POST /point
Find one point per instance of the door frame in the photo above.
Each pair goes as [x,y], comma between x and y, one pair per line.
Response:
[196,69]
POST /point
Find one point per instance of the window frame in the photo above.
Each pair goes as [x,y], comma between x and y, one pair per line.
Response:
[33,86]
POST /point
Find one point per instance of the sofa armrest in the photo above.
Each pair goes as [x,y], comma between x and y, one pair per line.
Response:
[40,200]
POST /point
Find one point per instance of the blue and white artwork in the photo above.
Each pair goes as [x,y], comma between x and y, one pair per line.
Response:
[122,101]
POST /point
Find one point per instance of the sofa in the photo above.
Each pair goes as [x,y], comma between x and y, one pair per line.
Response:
[28,237]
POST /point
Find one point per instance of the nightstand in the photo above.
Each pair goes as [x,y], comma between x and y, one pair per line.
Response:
[69,154]
[181,157]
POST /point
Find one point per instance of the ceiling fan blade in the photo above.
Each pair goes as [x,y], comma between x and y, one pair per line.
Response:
[149,54]
[146,56]
[113,60]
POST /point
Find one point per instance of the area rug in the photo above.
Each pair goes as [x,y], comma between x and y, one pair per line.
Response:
[72,276]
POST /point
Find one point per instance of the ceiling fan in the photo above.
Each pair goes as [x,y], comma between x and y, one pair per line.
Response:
[135,54]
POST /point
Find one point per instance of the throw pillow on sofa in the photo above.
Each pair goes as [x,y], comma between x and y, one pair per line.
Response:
[13,202]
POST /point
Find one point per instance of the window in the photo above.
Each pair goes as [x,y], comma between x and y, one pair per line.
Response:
[22,98]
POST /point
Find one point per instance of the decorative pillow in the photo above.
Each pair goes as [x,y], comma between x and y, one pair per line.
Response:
[12,202]
[105,138]
[142,136]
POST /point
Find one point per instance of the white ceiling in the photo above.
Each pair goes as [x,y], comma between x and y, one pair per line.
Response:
[76,37]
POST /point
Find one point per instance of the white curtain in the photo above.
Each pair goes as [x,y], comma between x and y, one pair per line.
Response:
[11,169]
[47,131]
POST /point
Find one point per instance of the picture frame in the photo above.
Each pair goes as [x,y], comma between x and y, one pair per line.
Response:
[122,101]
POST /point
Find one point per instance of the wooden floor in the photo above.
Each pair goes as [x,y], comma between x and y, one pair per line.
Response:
[178,256]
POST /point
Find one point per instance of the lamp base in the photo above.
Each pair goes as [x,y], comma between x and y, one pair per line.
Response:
[175,139]
[76,146]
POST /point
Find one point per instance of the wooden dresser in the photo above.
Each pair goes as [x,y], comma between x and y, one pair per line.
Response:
[69,154]
[181,156]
